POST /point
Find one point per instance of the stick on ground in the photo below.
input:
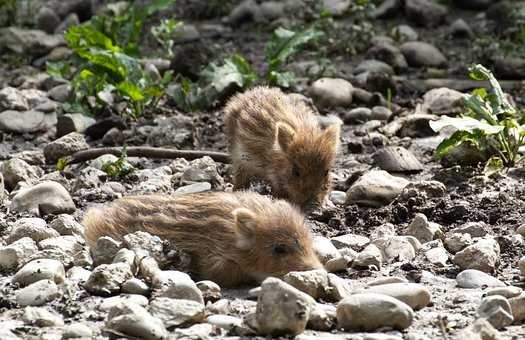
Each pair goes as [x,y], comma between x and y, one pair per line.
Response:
[149,152]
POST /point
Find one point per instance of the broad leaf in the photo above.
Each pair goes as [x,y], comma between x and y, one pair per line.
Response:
[235,70]
[454,141]
[131,90]
[493,166]
[464,124]
[282,79]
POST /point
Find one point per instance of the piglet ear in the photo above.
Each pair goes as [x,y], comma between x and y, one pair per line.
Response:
[331,135]
[285,135]
[245,225]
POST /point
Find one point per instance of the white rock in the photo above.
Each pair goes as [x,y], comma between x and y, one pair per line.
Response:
[437,256]
[415,295]
[105,250]
[35,228]
[40,317]
[176,285]
[442,101]
[398,248]
[27,121]
[210,290]
[37,294]
[329,92]
[387,280]
[370,256]
[226,322]
[481,329]
[281,308]
[78,275]
[176,312]
[77,330]
[375,188]
[371,311]
[16,170]
[312,282]
[12,99]
[472,278]
[521,265]
[67,225]
[353,241]
[324,249]
[64,146]
[507,292]
[45,198]
[482,255]
[456,242]
[110,302]
[496,309]
[40,270]
[135,321]
[517,305]
[424,230]
[135,286]
[15,254]
[338,197]
[107,279]
[322,317]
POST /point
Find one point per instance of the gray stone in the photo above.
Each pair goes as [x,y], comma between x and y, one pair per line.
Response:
[387,9]
[424,230]
[40,270]
[135,321]
[73,122]
[425,12]
[443,101]
[322,317]
[202,170]
[437,256]
[375,188]
[404,33]
[176,312]
[77,330]
[47,20]
[521,265]
[338,197]
[510,68]
[16,170]
[64,146]
[473,4]
[29,42]
[419,53]
[27,121]
[456,242]
[381,113]
[48,197]
[472,278]
[69,21]
[210,290]
[474,229]
[370,256]
[396,159]
[135,286]
[41,317]
[281,308]
[114,301]
[481,329]
[496,309]
[369,311]
[397,248]
[387,280]
[37,294]
[107,279]
[193,188]
[336,7]
[73,246]
[67,225]
[312,282]
[176,285]
[113,137]
[460,29]
[507,292]
[324,249]
[415,295]
[354,241]
[517,305]
[358,115]
[12,99]
[375,66]
[14,255]
[105,250]
[330,92]
[389,54]
[35,228]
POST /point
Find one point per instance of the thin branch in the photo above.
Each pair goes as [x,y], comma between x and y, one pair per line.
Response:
[149,152]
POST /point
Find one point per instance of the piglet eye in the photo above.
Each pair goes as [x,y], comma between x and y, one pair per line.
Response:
[279,249]
[295,171]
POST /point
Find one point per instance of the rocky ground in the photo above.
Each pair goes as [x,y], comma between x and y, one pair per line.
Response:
[414,248]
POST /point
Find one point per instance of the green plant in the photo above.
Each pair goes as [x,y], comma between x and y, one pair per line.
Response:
[119,168]
[8,12]
[491,125]
[163,33]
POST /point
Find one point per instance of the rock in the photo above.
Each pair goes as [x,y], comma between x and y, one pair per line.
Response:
[193,188]
[482,255]
[521,265]
[338,197]
[369,311]
[175,313]
[16,170]
[312,282]
[135,321]
[389,54]
[373,66]
[517,305]
[496,310]
[415,295]
[64,146]
[474,229]
[115,301]
[437,256]
[375,188]
[78,275]
[210,290]
[358,115]
[425,12]
[353,241]
[456,242]
[40,317]
[387,280]
[77,330]
[481,329]
[69,21]
[40,270]
[507,292]
[66,225]
[460,29]
[113,137]
[322,317]
[510,68]
[396,159]
[29,42]
[99,129]
[135,286]
[424,230]
[73,122]
[404,33]
[338,288]
[105,250]
[247,10]
[330,92]
[387,9]
[12,256]
[417,126]
[45,198]
[47,20]
[37,294]
[473,4]
[370,256]
[281,308]
[472,278]
[398,248]
[419,53]
[202,170]
[336,7]
[443,101]
[27,121]
[521,230]
[381,113]
[226,322]
[72,246]
[107,279]
[35,228]
[176,285]
[12,99]
[324,249]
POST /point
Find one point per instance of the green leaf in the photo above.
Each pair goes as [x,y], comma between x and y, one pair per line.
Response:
[235,70]
[493,166]
[464,124]
[157,5]
[282,79]
[131,90]
[453,141]
[62,163]
[499,101]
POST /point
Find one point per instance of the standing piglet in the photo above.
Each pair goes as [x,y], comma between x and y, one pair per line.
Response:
[277,139]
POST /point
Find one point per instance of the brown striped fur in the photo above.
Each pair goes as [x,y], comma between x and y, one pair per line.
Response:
[276,138]
[233,238]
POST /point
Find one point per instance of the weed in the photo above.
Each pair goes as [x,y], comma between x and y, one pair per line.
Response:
[491,125]
[119,168]
[163,33]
